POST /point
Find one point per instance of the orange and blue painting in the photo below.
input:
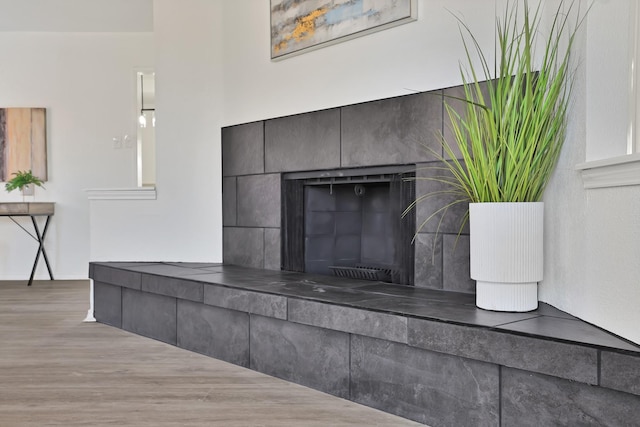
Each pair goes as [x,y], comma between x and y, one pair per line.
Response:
[298,25]
[23,142]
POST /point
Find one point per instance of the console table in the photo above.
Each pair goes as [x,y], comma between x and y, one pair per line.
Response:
[32,210]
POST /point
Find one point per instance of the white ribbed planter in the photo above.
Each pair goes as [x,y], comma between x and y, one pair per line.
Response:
[506,254]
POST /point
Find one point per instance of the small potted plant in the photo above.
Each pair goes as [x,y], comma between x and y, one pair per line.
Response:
[24,181]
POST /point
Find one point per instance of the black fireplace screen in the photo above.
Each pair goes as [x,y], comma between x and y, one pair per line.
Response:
[351,226]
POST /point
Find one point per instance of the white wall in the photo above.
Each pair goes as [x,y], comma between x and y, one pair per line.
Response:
[592,237]
[608,42]
[87,84]
[76,15]
[185,222]
[212,72]
[417,56]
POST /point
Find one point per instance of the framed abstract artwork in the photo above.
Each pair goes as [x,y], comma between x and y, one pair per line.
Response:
[23,142]
[301,25]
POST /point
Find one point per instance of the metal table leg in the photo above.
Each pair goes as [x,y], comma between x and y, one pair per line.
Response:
[41,249]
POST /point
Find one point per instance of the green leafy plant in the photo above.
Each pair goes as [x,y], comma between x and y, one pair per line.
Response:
[21,180]
[509,133]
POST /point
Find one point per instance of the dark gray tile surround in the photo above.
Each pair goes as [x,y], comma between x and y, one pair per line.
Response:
[259,201]
[427,355]
[432,388]
[397,130]
[200,329]
[562,360]
[108,303]
[242,149]
[314,357]
[394,131]
[150,315]
[303,142]
[538,400]
[244,246]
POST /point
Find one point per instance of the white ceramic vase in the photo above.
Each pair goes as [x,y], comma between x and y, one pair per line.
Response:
[506,254]
[28,193]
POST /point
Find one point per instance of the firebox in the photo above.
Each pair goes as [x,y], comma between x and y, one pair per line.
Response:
[350,223]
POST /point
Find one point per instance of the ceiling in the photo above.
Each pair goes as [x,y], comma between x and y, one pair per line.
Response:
[76,15]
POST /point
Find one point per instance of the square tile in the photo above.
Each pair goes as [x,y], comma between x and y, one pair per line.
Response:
[348,222]
[258,200]
[428,387]
[149,315]
[313,357]
[538,400]
[346,319]
[107,304]
[243,246]
[318,198]
[246,301]
[309,141]
[165,269]
[346,199]
[318,248]
[620,372]
[391,131]
[172,287]
[319,223]
[216,332]
[573,362]
[243,149]
[114,275]
[346,248]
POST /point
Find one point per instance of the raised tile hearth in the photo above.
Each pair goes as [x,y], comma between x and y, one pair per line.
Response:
[423,354]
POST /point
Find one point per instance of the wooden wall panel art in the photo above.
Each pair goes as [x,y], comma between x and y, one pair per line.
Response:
[23,142]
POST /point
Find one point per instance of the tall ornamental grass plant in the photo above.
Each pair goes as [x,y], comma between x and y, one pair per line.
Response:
[509,133]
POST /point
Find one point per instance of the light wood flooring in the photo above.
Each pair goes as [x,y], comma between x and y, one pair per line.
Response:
[56,370]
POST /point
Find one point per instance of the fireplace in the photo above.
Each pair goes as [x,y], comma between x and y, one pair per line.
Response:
[349,223]
[367,148]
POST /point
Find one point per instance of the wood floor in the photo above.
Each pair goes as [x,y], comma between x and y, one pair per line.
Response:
[56,370]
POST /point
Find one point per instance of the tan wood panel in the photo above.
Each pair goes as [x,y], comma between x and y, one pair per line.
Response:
[56,370]
[24,142]
[39,143]
[3,145]
[19,139]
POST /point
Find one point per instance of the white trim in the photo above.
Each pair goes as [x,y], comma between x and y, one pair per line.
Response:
[633,139]
[603,108]
[136,193]
[90,318]
[612,172]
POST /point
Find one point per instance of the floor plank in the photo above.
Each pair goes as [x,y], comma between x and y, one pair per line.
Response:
[56,370]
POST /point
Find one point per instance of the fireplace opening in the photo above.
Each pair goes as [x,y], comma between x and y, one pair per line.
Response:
[349,223]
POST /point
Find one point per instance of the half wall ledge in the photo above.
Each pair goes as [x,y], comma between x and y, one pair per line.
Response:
[427,355]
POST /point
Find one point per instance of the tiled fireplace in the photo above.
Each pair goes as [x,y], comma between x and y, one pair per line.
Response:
[340,178]
[344,150]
